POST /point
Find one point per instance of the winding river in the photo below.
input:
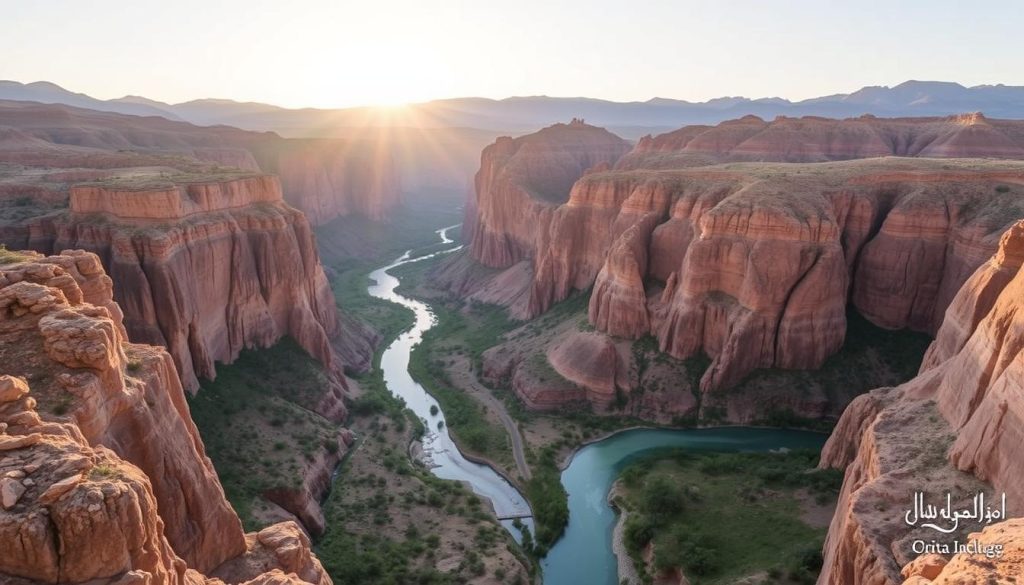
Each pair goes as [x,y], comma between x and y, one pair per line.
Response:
[439,451]
[584,553]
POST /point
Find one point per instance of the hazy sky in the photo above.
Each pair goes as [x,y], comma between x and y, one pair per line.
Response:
[340,53]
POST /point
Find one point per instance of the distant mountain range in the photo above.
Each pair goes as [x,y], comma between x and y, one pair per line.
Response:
[524,114]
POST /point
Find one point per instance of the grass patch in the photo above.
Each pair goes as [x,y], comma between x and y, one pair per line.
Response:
[724,516]
[10,256]
[103,471]
[163,180]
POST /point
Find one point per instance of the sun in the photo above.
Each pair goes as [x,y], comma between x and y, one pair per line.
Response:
[389,75]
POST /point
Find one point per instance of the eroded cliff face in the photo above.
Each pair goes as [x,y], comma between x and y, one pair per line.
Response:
[521,181]
[204,268]
[752,264]
[103,476]
[956,426]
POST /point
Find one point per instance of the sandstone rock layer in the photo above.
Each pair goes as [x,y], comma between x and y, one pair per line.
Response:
[104,477]
[753,265]
[204,268]
[956,426]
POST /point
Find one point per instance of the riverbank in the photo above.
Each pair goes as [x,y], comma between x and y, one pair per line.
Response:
[589,479]
[626,568]
[568,458]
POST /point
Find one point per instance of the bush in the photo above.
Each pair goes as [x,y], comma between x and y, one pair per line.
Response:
[660,498]
[695,552]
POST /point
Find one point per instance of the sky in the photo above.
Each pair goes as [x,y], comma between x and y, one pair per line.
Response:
[331,53]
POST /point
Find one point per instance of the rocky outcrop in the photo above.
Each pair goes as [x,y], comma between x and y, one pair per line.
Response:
[975,569]
[276,553]
[205,267]
[591,361]
[103,476]
[752,264]
[522,180]
[815,139]
[954,427]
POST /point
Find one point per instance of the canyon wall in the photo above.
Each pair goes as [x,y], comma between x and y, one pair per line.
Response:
[751,263]
[103,475]
[522,180]
[956,426]
[204,268]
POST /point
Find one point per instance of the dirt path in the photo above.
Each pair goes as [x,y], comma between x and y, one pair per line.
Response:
[462,376]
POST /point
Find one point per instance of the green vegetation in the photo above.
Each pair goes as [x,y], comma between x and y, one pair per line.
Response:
[549,501]
[466,333]
[383,525]
[349,285]
[258,423]
[381,530]
[10,256]
[103,471]
[724,516]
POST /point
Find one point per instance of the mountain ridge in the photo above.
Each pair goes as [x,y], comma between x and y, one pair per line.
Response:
[527,113]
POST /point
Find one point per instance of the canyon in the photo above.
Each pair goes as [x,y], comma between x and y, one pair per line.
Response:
[751,242]
[652,281]
[754,264]
[104,476]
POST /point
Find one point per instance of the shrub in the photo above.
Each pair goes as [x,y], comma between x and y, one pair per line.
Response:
[661,498]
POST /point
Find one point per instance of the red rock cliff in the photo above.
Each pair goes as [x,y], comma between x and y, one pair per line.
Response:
[752,264]
[522,180]
[103,476]
[956,426]
[203,268]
